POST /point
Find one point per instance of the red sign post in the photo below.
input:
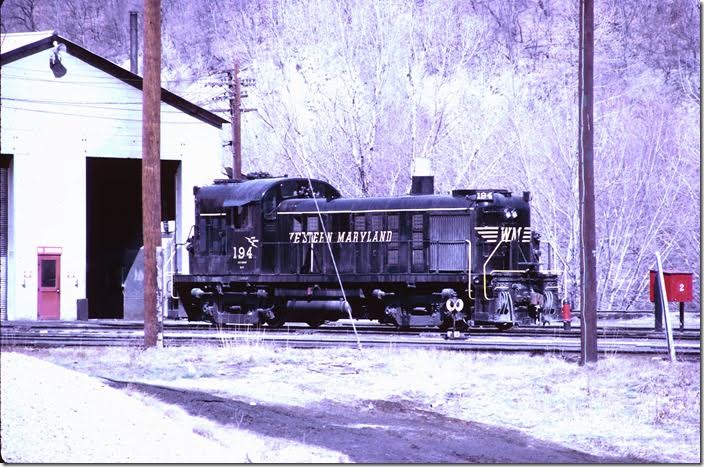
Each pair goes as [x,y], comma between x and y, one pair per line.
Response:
[678,286]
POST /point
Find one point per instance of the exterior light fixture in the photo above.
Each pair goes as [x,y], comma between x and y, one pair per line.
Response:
[55,64]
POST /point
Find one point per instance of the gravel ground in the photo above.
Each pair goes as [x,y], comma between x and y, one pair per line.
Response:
[96,423]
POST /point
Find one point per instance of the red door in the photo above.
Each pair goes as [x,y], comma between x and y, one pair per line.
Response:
[48,292]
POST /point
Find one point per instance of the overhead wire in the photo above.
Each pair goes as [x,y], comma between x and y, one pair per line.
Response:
[95,76]
[348,307]
[88,105]
[106,117]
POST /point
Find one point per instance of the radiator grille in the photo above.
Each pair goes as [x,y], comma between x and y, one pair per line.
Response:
[448,248]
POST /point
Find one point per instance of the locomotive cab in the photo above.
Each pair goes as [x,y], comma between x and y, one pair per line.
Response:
[234,239]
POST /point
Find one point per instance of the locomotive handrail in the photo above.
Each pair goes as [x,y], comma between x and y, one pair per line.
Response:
[487,262]
[469,269]
[172,273]
[497,270]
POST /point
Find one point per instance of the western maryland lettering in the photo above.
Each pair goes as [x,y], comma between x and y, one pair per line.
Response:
[368,236]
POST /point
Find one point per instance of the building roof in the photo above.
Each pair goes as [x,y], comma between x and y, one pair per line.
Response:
[15,46]
[15,40]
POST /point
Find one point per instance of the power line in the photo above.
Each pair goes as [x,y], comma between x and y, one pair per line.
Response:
[110,77]
[104,117]
[87,105]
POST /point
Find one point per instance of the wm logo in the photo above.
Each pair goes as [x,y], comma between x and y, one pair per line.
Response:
[507,234]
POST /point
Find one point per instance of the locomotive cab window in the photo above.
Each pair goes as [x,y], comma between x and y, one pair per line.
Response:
[240,218]
[213,238]
[269,204]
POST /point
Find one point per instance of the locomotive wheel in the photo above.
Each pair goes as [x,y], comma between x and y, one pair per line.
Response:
[315,322]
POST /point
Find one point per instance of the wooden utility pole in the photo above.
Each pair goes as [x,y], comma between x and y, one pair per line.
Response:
[236,124]
[151,177]
[587,216]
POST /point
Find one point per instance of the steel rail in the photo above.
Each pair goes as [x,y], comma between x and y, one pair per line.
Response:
[182,324]
[339,328]
[427,340]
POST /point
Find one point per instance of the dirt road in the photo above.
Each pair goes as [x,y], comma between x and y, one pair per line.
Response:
[375,431]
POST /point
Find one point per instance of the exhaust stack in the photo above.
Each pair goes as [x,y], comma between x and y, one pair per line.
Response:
[422,182]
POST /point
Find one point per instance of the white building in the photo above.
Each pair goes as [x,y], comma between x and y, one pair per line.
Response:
[70,176]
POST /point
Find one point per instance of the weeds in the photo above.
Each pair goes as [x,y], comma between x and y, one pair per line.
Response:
[619,403]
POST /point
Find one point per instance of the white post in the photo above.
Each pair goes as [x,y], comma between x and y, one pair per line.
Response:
[160,297]
[663,298]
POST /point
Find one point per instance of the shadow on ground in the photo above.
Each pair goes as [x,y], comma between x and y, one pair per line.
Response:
[375,431]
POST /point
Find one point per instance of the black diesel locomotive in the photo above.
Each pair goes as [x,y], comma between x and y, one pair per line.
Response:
[261,253]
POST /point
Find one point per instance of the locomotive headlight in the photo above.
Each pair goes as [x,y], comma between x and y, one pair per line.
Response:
[507,213]
[514,214]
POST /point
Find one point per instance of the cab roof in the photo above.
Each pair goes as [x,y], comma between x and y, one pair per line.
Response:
[231,193]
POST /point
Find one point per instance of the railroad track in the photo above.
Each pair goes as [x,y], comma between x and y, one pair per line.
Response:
[343,326]
[532,339]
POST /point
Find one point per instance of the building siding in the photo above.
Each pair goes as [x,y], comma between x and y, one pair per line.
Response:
[50,126]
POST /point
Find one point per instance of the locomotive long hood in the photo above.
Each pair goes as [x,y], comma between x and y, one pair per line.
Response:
[403,203]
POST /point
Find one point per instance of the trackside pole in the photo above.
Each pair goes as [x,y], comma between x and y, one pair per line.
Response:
[160,294]
[661,300]
[658,304]
[587,215]
[151,157]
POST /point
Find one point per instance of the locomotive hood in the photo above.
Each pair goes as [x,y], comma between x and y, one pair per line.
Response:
[401,203]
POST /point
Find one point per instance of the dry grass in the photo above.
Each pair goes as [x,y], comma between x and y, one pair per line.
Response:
[637,406]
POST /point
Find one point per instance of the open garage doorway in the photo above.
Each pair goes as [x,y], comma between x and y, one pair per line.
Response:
[114,226]
[5,222]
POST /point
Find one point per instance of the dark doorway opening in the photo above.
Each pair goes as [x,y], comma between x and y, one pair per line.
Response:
[5,193]
[114,226]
